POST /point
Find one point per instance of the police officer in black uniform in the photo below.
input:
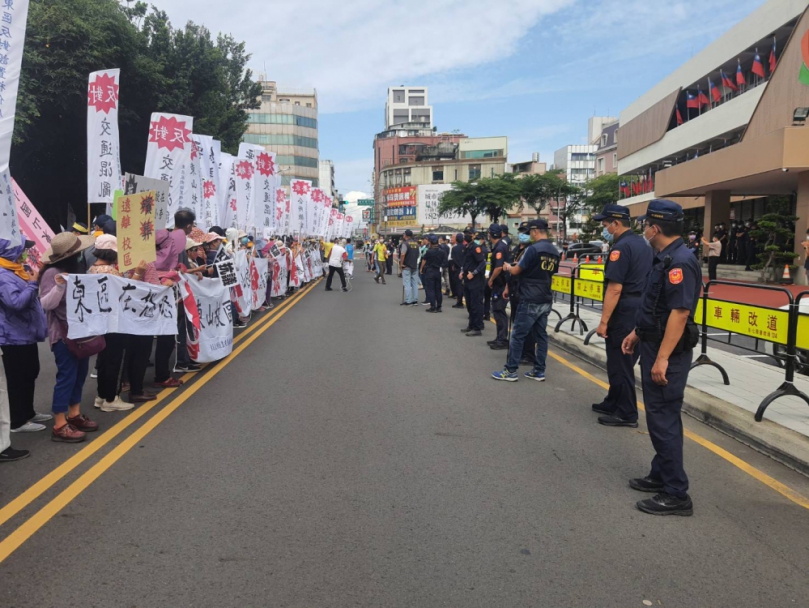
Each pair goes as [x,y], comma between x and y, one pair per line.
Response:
[513,293]
[455,269]
[506,237]
[666,335]
[627,268]
[497,285]
[474,278]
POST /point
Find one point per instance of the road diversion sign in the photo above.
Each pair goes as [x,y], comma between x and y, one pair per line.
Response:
[769,324]
[591,290]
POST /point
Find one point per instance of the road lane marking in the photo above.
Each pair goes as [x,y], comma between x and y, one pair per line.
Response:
[29,527]
[48,481]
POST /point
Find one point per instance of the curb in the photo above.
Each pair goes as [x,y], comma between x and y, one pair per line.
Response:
[779,443]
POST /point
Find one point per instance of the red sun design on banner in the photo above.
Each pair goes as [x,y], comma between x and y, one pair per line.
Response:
[169,133]
[102,94]
[265,164]
[194,150]
[208,189]
[244,169]
[301,188]
[279,196]
[317,195]
[233,204]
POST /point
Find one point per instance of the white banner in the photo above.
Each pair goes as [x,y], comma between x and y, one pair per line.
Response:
[259,267]
[168,156]
[99,304]
[209,151]
[193,178]
[227,203]
[279,275]
[9,221]
[137,183]
[300,195]
[103,147]
[210,331]
[264,184]
[244,170]
[243,291]
[13,17]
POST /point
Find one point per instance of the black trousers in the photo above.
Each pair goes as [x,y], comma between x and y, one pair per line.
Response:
[713,262]
[162,358]
[432,288]
[621,398]
[21,364]
[109,365]
[529,346]
[389,264]
[473,292]
[136,360]
[339,271]
[487,299]
[499,313]
[455,287]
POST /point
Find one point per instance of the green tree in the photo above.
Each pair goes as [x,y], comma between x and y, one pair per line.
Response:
[462,199]
[596,194]
[497,195]
[774,231]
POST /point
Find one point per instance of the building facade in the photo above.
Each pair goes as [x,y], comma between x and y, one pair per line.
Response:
[726,129]
[286,123]
[577,163]
[326,179]
[407,106]
[607,152]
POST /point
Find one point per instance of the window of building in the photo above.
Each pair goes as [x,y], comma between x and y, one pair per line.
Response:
[415,101]
[308,105]
[279,140]
[603,139]
[398,96]
[456,175]
[615,136]
[482,154]
[297,103]
[281,119]
[614,160]
[400,116]
[398,177]
[438,174]
[284,100]
[417,91]
[406,177]
[474,172]
[301,161]
[601,165]
[581,156]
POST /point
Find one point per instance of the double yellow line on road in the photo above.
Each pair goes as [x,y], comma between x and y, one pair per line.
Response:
[41,517]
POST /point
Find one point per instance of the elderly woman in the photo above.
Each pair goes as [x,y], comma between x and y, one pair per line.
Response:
[62,258]
[22,326]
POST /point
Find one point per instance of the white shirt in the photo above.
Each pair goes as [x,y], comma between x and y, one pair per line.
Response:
[336,257]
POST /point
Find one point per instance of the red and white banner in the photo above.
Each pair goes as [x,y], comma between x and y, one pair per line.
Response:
[209,152]
[300,194]
[279,274]
[103,147]
[210,325]
[32,224]
[264,185]
[281,212]
[243,291]
[168,156]
[228,201]
[244,170]
[259,267]
[295,271]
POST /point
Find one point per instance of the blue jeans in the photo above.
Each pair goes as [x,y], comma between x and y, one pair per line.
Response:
[410,278]
[70,376]
[530,319]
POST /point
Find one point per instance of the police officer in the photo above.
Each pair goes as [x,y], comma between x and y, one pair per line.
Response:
[474,278]
[536,270]
[512,293]
[506,237]
[497,285]
[455,269]
[666,334]
[628,265]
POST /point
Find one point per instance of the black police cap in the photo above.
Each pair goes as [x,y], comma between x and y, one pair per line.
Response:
[612,212]
[663,210]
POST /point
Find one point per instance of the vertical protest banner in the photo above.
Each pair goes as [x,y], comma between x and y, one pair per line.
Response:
[331,227]
[137,183]
[13,18]
[168,155]
[259,267]
[242,290]
[300,194]
[135,229]
[210,336]
[292,266]
[31,223]
[244,170]
[262,215]
[209,161]
[193,178]
[316,199]
[280,206]
[103,146]
[349,226]
[279,274]
[324,216]
[228,201]
[287,214]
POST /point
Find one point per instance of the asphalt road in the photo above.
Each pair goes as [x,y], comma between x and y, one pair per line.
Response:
[357,453]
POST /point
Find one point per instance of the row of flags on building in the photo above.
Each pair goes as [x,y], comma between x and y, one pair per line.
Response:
[642,185]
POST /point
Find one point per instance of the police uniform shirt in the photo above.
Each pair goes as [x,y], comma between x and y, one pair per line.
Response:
[457,256]
[434,259]
[677,277]
[539,263]
[629,263]
[500,256]
[444,248]
[474,260]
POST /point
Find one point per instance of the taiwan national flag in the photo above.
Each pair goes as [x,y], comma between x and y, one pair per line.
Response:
[773,59]
[691,101]
[702,98]
[715,94]
[679,116]
[758,67]
[740,79]
[624,189]
[727,82]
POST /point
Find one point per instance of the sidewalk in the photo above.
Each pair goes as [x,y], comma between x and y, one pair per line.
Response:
[784,432]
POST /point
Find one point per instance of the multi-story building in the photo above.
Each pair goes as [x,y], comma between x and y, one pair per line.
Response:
[726,129]
[607,151]
[408,105]
[577,163]
[596,125]
[530,167]
[327,179]
[286,123]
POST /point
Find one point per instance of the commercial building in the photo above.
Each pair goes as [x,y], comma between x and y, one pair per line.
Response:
[408,106]
[286,123]
[326,179]
[607,151]
[577,163]
[727,129]
[530,167]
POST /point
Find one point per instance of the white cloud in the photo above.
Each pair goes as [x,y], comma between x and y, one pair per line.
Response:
[353,174]
[352,51]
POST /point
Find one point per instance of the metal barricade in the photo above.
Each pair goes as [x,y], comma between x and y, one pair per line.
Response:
[579,288]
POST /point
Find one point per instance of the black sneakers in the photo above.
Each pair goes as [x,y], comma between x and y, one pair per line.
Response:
[666,504]
[10,455]
[458,306]
[466,330]
[599,408]
[499,345]
[612,420]
[474,332]
[646,484]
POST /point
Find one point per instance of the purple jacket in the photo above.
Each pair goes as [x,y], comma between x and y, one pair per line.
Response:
[21,318]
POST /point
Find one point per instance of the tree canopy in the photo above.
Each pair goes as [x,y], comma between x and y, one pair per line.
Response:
[163,69]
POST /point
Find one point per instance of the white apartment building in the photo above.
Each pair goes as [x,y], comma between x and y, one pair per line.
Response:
[579,165]
[327,178]
[408,105]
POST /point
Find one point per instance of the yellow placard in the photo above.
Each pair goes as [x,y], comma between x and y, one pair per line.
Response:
[136,230]
[767,324]
[591,272]
[560,284]
[592,290]
[803,332]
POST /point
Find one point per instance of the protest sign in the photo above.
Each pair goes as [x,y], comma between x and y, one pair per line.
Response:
[295,272]
[244,170]
[227,273]
[300,194]
[243,290]
[137,183]
[135,230]
[259,267]
[227,204]
[103,148]
[31,224]
[99,304]
[264,184]
[209,160]
[168,155]
[210,335]
[279,275]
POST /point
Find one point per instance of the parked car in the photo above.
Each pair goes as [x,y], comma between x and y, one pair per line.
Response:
[580,249]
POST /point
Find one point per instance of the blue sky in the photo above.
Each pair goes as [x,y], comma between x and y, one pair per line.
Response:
[534,70]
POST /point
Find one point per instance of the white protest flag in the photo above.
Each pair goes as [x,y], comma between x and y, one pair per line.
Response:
[14,16]
[338,225]
[300,195]
[210,150]
[103,147]
[317,197]
[280,208]
[193,179]
[168,155]
[99,304]
[210,335]
[228,201]
[259,267]
[263,184]
[305,266]
[137,183]
[324,217]
[331,227]
[243,291]
[349,226]
[244,171]
[279,275]
[287,227]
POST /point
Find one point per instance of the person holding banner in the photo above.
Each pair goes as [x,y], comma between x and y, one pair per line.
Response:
[61,259]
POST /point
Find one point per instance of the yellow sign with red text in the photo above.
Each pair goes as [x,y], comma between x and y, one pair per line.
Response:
[770,324]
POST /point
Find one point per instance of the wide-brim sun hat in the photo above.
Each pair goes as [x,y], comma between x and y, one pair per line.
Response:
[66,244]
[108,242]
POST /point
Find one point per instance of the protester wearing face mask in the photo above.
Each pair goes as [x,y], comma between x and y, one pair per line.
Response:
[627,267]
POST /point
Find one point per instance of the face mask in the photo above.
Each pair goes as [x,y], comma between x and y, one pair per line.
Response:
[477,241]
[647,239]
[605,234]
[691,237]
[525,238]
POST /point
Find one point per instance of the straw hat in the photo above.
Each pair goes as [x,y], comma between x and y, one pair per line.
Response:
[64,245]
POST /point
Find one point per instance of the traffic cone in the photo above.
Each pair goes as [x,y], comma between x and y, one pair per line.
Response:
[587,260]
[576,258]
[599,259]
[786,278]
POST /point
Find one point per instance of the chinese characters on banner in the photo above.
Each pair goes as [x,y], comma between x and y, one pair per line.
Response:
[32,224]
[99,304]
[318,197]
[211,150]
[168,155]
[279,274]
[193,180]
[137,183]
[300,195]
[13,17]
[754,321]
[349,226]
[264,185]
[227,273]
[227,180]
[103,148]
[259,267]
[244,170]
[243,291]
[136,230]
[210,335]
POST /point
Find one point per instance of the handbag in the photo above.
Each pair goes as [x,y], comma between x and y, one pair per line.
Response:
[85,347]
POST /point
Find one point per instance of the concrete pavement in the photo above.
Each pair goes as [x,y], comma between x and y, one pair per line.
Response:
[357,453]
